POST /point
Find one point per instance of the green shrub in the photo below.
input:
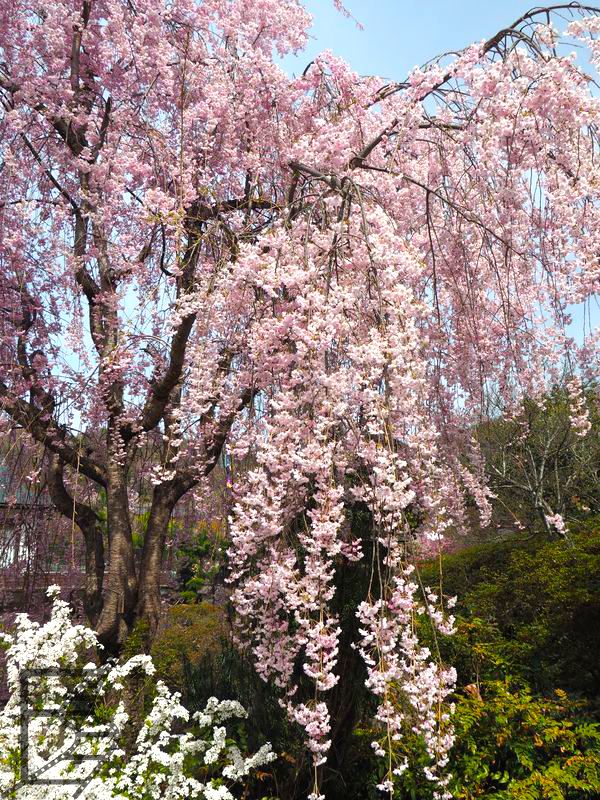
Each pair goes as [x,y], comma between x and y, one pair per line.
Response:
[511,745]
[189,634]
[531,609]
[201,560]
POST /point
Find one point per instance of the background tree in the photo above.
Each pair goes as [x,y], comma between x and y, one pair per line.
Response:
[542,468]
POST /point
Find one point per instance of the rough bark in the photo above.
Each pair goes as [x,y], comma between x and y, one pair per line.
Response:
[120,586]
[89,524]
[149,601]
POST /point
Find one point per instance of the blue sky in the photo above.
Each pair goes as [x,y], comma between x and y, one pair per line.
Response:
[399,34]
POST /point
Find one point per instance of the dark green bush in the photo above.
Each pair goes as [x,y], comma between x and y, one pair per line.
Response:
[534,607]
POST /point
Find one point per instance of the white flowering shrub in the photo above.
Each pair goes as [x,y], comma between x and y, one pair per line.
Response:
[63,729]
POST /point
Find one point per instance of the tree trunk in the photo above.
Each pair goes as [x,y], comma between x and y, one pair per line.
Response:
[149,601]
[120,590]
[94,573]
[88,522]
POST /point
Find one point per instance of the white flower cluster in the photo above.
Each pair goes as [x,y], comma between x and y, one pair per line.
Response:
[82,751]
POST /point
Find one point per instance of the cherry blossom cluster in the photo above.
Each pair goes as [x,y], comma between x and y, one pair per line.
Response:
[556,522]
[400,668]
[346,426]
[389,309]
[579,414]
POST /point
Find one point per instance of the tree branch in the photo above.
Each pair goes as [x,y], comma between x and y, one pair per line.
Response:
[46,431]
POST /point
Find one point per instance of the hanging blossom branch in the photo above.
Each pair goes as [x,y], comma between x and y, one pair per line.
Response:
[405,284]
